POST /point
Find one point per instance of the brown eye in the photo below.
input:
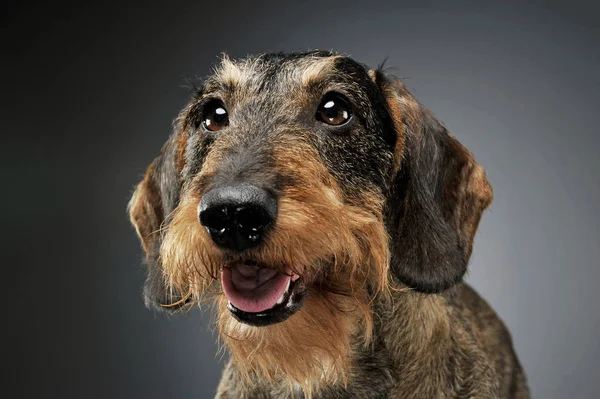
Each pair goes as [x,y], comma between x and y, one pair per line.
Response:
[334,110]
[215,116]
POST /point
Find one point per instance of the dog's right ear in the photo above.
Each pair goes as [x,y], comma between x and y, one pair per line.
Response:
[153,200]
[437,196]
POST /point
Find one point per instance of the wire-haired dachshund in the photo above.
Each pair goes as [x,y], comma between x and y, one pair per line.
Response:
[330,218]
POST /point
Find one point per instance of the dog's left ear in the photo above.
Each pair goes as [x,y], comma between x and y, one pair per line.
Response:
[153,200]
[437,195]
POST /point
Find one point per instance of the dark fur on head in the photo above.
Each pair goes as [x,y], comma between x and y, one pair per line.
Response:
[378,217]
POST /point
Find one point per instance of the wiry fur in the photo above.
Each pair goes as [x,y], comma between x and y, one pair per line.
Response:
[378,218]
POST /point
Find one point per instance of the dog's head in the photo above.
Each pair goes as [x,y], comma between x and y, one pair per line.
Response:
[294,191]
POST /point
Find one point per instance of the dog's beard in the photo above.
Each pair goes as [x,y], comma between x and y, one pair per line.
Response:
[314,346]
[310,349]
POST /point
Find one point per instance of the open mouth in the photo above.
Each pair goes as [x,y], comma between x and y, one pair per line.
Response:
[259,295]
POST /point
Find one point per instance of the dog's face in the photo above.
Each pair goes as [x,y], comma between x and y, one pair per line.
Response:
[296,190]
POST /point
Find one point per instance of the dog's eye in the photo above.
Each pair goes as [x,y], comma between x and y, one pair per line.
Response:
[215,116]
[334,110]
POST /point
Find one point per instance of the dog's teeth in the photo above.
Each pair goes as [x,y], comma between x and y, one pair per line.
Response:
[280,300]
[288,286]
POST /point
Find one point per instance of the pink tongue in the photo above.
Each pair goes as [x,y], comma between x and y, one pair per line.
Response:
[253,289]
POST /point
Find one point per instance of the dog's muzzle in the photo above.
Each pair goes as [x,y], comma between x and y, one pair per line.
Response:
[237,218]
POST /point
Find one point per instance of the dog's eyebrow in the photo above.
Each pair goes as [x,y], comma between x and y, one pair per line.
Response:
[307,71]
[230,73]
[316,68]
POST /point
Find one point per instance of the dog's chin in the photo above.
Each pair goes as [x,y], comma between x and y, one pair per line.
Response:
[261,296]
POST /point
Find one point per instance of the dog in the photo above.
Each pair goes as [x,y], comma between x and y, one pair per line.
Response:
[329,218]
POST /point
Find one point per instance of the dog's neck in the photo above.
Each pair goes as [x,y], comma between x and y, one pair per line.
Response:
[413,323]
[411,326]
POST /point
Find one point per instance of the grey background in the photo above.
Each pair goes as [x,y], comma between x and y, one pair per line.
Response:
[88,95]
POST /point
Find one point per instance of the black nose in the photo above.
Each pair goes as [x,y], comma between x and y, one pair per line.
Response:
[236,217]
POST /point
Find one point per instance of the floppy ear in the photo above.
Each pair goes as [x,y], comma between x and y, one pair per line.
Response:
[437,196]
[152,201]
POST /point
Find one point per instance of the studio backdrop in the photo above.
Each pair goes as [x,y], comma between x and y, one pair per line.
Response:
[89,91]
